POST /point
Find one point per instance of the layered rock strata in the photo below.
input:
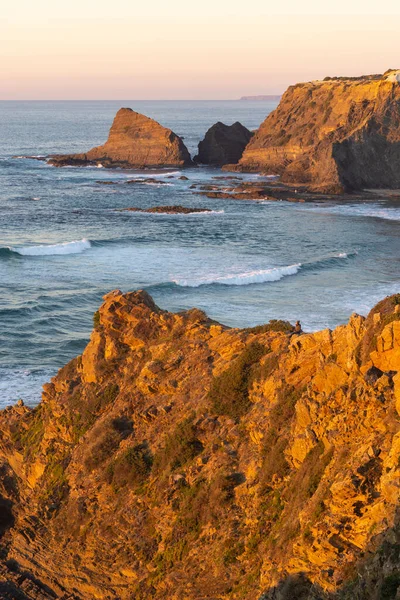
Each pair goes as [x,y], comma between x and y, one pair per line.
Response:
[339,134]
[134,141]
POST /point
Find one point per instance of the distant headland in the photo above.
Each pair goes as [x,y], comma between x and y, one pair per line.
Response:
[262,97]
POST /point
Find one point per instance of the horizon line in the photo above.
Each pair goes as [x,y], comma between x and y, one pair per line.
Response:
[244,99]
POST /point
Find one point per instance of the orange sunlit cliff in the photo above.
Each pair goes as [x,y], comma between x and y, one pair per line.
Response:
[179,458]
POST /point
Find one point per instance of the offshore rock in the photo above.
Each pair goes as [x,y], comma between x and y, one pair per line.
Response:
[339,134]
[134,141]
[223,144]
[178,458]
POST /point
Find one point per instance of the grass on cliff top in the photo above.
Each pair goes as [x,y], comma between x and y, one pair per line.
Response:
[275,325]
[229,393]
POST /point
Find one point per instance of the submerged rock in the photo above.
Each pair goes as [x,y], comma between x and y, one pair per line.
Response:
[171,210]
[223,144]
[134,141]
[336,135]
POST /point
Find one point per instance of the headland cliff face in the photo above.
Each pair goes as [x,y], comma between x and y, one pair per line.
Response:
[339,134]
[178,458]
[134,141]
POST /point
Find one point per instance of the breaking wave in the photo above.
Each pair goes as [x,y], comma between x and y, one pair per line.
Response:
[75,247]
[170,214]
[261,276]
[264,275]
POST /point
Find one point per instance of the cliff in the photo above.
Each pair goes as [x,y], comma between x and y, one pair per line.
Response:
[178,458]
[336,135]
[223,144]
[134,141]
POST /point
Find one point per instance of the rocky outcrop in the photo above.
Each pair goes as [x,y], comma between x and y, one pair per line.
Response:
[223,144]
[178,458]
[176,209]
[134,141]
[336,135]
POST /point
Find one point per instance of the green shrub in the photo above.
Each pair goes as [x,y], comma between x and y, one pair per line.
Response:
[96,319]
[274,325]
[181,446]
[105,446]
[30,439]
[390,586]
[229,393]
[54,482]
[131,468]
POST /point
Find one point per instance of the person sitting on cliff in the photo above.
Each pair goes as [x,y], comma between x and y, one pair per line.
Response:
[297,329]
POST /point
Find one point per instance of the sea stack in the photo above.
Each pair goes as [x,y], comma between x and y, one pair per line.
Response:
[223,144]
[134,141]
[339,134]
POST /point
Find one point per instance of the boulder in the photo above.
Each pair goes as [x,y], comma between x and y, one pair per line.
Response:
[223,144]
[336,135]
[134,141]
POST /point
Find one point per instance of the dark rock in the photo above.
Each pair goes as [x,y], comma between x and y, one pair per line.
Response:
[223,144]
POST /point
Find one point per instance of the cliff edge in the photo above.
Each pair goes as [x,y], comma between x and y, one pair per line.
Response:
[134,141]
[178,458]
[339,134]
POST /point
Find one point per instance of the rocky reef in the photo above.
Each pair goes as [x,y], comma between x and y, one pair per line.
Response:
[175,209]
[336,135]
[178,458]
[223,144]
[134,141]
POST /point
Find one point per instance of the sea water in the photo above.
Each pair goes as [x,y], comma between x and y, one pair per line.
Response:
[64,243]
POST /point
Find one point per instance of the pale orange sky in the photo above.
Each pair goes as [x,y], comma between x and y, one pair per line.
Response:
[183,49]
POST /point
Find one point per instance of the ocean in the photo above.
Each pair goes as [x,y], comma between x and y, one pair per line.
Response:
[64,243]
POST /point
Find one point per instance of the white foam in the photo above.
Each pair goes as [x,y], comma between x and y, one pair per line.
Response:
[75,247]
[22,383]
[203,213]
[374,211]
[247,278]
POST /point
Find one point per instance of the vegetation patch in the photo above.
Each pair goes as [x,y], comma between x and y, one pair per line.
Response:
[180,447]
[29,440]
[275,325]
[131,468]
[229,393]
[390,586]
[54,482]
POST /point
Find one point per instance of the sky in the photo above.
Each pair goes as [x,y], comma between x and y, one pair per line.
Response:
[187,49]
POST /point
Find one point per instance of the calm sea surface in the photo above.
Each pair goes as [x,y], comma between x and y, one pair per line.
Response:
[63,244]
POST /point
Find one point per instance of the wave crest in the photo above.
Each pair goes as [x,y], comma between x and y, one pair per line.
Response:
[247,278]
[75,247]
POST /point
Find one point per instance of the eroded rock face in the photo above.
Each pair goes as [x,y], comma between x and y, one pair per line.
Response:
[134,141]
[178,458]
[223,144]
[335,135]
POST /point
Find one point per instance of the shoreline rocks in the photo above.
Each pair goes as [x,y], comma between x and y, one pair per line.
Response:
[134,141]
